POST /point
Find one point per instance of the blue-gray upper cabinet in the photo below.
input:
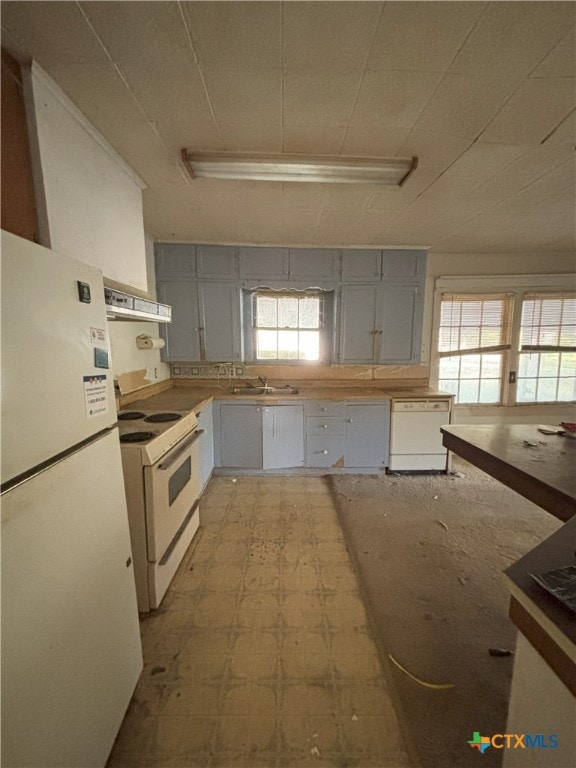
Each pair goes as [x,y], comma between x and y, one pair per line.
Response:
[359,324]
[216,262]
[401,324]
[219,321]
[314,263]
[263,264]
[403,265]
[175,260]
[181,335]
[361,265]
[381,324]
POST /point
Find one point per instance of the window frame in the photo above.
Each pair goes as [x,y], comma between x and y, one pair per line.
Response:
[502,348]
[326,330]
[540,349]
[518,286]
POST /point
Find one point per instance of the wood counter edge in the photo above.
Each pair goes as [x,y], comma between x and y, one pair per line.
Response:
[548,648]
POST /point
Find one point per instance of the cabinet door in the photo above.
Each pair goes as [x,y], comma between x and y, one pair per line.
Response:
[241,436]
[175,260]
[317,263]
[403,264]
[181,335]
[283,436]
[361,265]
[214,261]
[401,318]
[367,435]
[219,312]
[205,422]
[358,332]
[261,264]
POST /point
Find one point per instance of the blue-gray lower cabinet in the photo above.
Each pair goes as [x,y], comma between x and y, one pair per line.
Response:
[205,422]
[367,435]
[260,436]
[282,436]
[240,436]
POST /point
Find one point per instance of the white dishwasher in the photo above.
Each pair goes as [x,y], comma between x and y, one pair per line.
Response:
[415,438]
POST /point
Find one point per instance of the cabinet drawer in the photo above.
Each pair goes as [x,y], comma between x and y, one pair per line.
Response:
[325,408]
[324,451]
[325,425]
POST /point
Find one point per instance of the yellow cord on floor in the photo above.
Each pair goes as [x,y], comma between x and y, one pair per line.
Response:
[437,686]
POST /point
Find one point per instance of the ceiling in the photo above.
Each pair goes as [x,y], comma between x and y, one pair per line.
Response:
[482,93]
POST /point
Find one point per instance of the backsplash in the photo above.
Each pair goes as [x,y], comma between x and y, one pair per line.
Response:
[327,373]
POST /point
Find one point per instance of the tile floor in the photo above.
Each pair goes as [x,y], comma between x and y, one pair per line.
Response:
[260,654]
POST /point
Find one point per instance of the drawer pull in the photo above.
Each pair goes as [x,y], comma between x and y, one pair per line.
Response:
[324,426]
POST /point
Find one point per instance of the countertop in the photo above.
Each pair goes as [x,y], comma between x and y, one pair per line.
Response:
[537,466]
[194,398]
[541,468]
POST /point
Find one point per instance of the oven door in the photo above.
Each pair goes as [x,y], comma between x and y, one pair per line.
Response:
[172,487]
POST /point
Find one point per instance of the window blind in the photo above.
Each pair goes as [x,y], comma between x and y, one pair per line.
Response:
[548,322]
[474,323]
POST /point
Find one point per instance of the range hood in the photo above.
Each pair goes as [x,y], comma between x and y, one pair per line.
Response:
[125,306]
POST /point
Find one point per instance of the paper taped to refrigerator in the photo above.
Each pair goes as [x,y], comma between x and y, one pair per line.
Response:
[96,395]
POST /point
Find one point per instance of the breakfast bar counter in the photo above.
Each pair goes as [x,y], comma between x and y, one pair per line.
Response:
[541,468]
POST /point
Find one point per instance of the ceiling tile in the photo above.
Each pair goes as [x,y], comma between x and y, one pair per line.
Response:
[475,166]
[511,38]
[232,34]
[314,139]
[304,196]
[319,97]
[565,132]
[422,35]
[435,152]
[374,141]
[335,229]
[463,105]
[348,198]
[560,62]
[393,98]
[328,35]
[533,112]
[173,96]
[245,96]
[241,137]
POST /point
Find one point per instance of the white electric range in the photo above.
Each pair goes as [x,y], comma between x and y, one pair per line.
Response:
[161,463]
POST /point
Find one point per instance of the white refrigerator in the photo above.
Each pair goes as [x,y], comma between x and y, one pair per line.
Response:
[70,641]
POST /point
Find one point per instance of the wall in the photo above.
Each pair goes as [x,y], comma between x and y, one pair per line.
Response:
[126,357]
[89,201]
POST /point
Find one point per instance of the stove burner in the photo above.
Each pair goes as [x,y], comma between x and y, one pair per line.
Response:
[163,417]
[136,437]
[130,415]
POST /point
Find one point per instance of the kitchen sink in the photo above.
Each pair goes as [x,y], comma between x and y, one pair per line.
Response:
[264,391]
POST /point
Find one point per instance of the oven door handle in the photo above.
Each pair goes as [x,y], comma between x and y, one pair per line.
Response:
[180,449]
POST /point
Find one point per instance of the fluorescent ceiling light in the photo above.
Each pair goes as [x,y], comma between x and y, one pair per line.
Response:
[333,170]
